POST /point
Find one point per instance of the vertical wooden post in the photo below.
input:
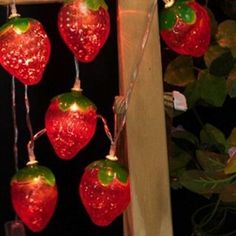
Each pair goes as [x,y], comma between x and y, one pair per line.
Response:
[150,211]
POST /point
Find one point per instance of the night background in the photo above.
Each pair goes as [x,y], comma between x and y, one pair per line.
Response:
[100,84]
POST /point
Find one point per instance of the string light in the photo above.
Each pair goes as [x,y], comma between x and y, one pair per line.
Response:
[112,169]
[121,103]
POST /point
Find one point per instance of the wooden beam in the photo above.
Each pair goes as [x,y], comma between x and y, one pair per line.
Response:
[150,210]
[6,2]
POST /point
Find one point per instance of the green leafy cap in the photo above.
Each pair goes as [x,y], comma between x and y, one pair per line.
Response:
[18,24]
[74,98]
[30,172]
[96,4]
[180,10]
[109,170]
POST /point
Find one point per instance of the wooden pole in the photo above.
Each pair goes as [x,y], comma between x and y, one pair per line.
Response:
[6,2]
[150,210]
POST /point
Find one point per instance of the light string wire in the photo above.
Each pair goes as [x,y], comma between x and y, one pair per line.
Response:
[77,83]
[13,10]
[14,119]
[15,127]
[121,103]
[30,146]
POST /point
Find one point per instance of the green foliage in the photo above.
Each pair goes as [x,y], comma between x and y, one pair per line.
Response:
[203,164]
[211,161]
[180,71]
[204,90]
[209,85]
[226,35]
[231,83]
[213,138]
[206,164]
[222,65]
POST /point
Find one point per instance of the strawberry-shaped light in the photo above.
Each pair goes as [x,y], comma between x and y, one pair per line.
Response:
[84,26]
[105,191]
[34,196]
[70,123]
[24,49]
[185,28]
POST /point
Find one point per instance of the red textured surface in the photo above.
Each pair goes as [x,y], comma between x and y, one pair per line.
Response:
[83,30]
[103,203]
[69,131]
[25,55]
[34,202]
[190,39]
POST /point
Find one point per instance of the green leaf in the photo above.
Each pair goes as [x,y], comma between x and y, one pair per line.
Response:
[167,19]
[180,10]
[185,139]
[109,170]
[186,13]
[228,194]
[212,88]
[96,4]
[231,165]
[232,138]
[211,161]
[233,51]
[231,83]
[106,175]
[20,25]
[192,93]
[213,52]
[226,34]
[202,182]
[178,161]
[208,89]
[222,65]
[30,172]
[213,137]
[74,98]
[180,71]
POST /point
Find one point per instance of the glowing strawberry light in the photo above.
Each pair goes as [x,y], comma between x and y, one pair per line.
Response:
[105,191]
[185,27]
[84,26]
[34,196]
[24,49]
[70,122]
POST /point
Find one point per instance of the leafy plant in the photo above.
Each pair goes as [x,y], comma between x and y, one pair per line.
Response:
[204,162]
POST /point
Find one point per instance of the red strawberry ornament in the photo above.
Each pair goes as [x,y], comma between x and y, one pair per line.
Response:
[84,26]
[34,196]
[105,191]
[185,28]
[24,49]
[70,123]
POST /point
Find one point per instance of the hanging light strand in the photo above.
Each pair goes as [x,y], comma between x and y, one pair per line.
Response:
[15,147]
[169,3]
[30,146]
[32,158]
[121,103]
[77,85]
[14,120]
[13,10]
